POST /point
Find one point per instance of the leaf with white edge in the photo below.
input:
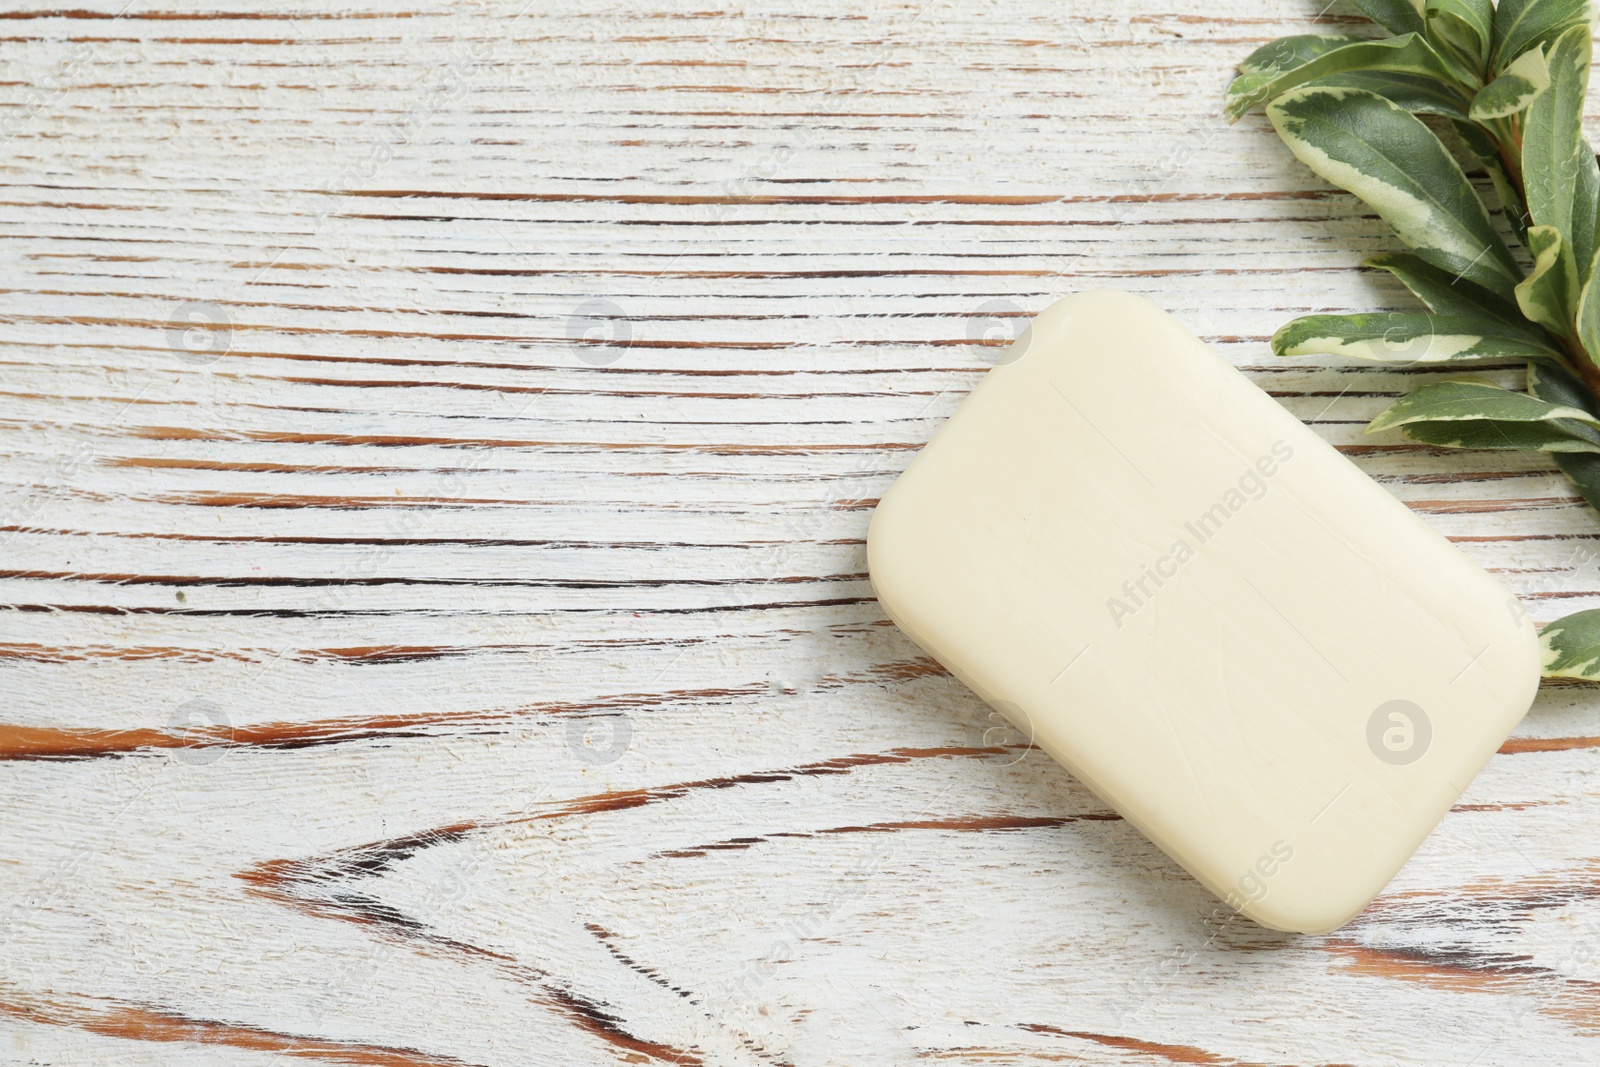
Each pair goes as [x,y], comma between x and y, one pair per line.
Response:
[1476,15]
[1406,337]
[1490,436]
[1588,315]
[1511,202]
[1571,647]
[1396,16]
[1570,443]
[1287,53]
[1467,399]
[1558,166]
[1583,470]
[1418,95]
[1523,24]
[1559,387]
[1383,154]
[1446,294]
[1415,93]
[1549,294]
[1461,30]
[1409,54]
[1517,87]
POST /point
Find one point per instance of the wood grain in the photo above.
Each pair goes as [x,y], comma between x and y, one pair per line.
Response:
[436,450]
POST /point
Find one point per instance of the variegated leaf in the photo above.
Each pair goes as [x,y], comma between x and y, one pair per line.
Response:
[1405,337]
[1468,399]
[1511,202]
[1558,166]
[1460,30]
[1517,87]
[1446,294]
[1417,94]
[1572,646]
[1559,387]
[1523,24]
[1380,152]
[1408,54]
[1549,294]
[1588,315]
[1287,53]
[1583,471]
[1488,435]
[1396,16]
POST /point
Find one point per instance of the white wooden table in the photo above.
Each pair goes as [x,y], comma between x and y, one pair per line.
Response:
[437,450]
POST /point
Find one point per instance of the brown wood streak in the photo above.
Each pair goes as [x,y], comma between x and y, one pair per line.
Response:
[905,670]
[484,364]
[18,742]
[285,581]
[969,824]
[29,652]
[295,883]
[138,1022]
[1518,745]
[1491,907]
[198,16]
[606,938]
[33,652]
[1575,1001]
[389,539]
[1489,507]
[183,433]
[824,199]
[1170,1053]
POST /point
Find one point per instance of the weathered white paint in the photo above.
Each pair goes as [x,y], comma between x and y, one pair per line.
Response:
[423,557]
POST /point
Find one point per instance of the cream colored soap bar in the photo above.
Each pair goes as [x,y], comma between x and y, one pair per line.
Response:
[1238,640]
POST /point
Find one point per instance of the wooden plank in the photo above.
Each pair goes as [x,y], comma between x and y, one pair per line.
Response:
[436,449]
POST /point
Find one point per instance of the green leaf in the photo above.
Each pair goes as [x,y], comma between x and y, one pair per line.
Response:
[1558,166]
[1517,87]
[1287,53]
[1396,16]
[1467,399]
[1549,294]
[1461,30]
[1523,24]
[1588,316]
[1489,435]
[1567,440]
[1406,337]
[1583,470]
[1572,646]
[1417,94]
[1377,150]
[1409,54]
[1559,387]
[1483,146]
[1554,384]
[1477,16]
[1446,294]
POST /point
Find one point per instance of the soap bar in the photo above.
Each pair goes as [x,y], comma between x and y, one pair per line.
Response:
[1236,639]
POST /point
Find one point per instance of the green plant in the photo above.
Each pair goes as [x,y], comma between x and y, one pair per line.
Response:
[1509,80]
